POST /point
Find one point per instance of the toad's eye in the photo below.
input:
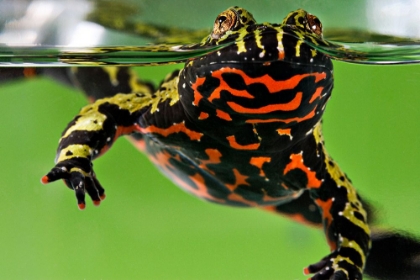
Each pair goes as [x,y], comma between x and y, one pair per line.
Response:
[313,24]
[226,21]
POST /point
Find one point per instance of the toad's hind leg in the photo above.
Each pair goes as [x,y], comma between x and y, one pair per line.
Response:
[348,243]
[394,254]
[304,210]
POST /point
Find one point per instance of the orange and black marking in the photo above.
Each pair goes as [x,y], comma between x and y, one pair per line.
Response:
[239,126]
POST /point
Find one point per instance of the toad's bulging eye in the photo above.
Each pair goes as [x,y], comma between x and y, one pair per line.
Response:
[313,24]
[226,21]
[221,19]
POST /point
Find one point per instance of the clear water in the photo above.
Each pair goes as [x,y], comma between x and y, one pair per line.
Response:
[60,33]
[64,56]
[369,48]
[390,51]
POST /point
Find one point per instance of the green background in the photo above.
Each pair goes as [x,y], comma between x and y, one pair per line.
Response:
[147,228]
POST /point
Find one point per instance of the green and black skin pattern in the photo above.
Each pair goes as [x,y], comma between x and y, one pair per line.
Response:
[239,126]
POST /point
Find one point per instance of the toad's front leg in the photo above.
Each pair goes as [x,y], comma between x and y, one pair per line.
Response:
[90,134]
[345,225]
